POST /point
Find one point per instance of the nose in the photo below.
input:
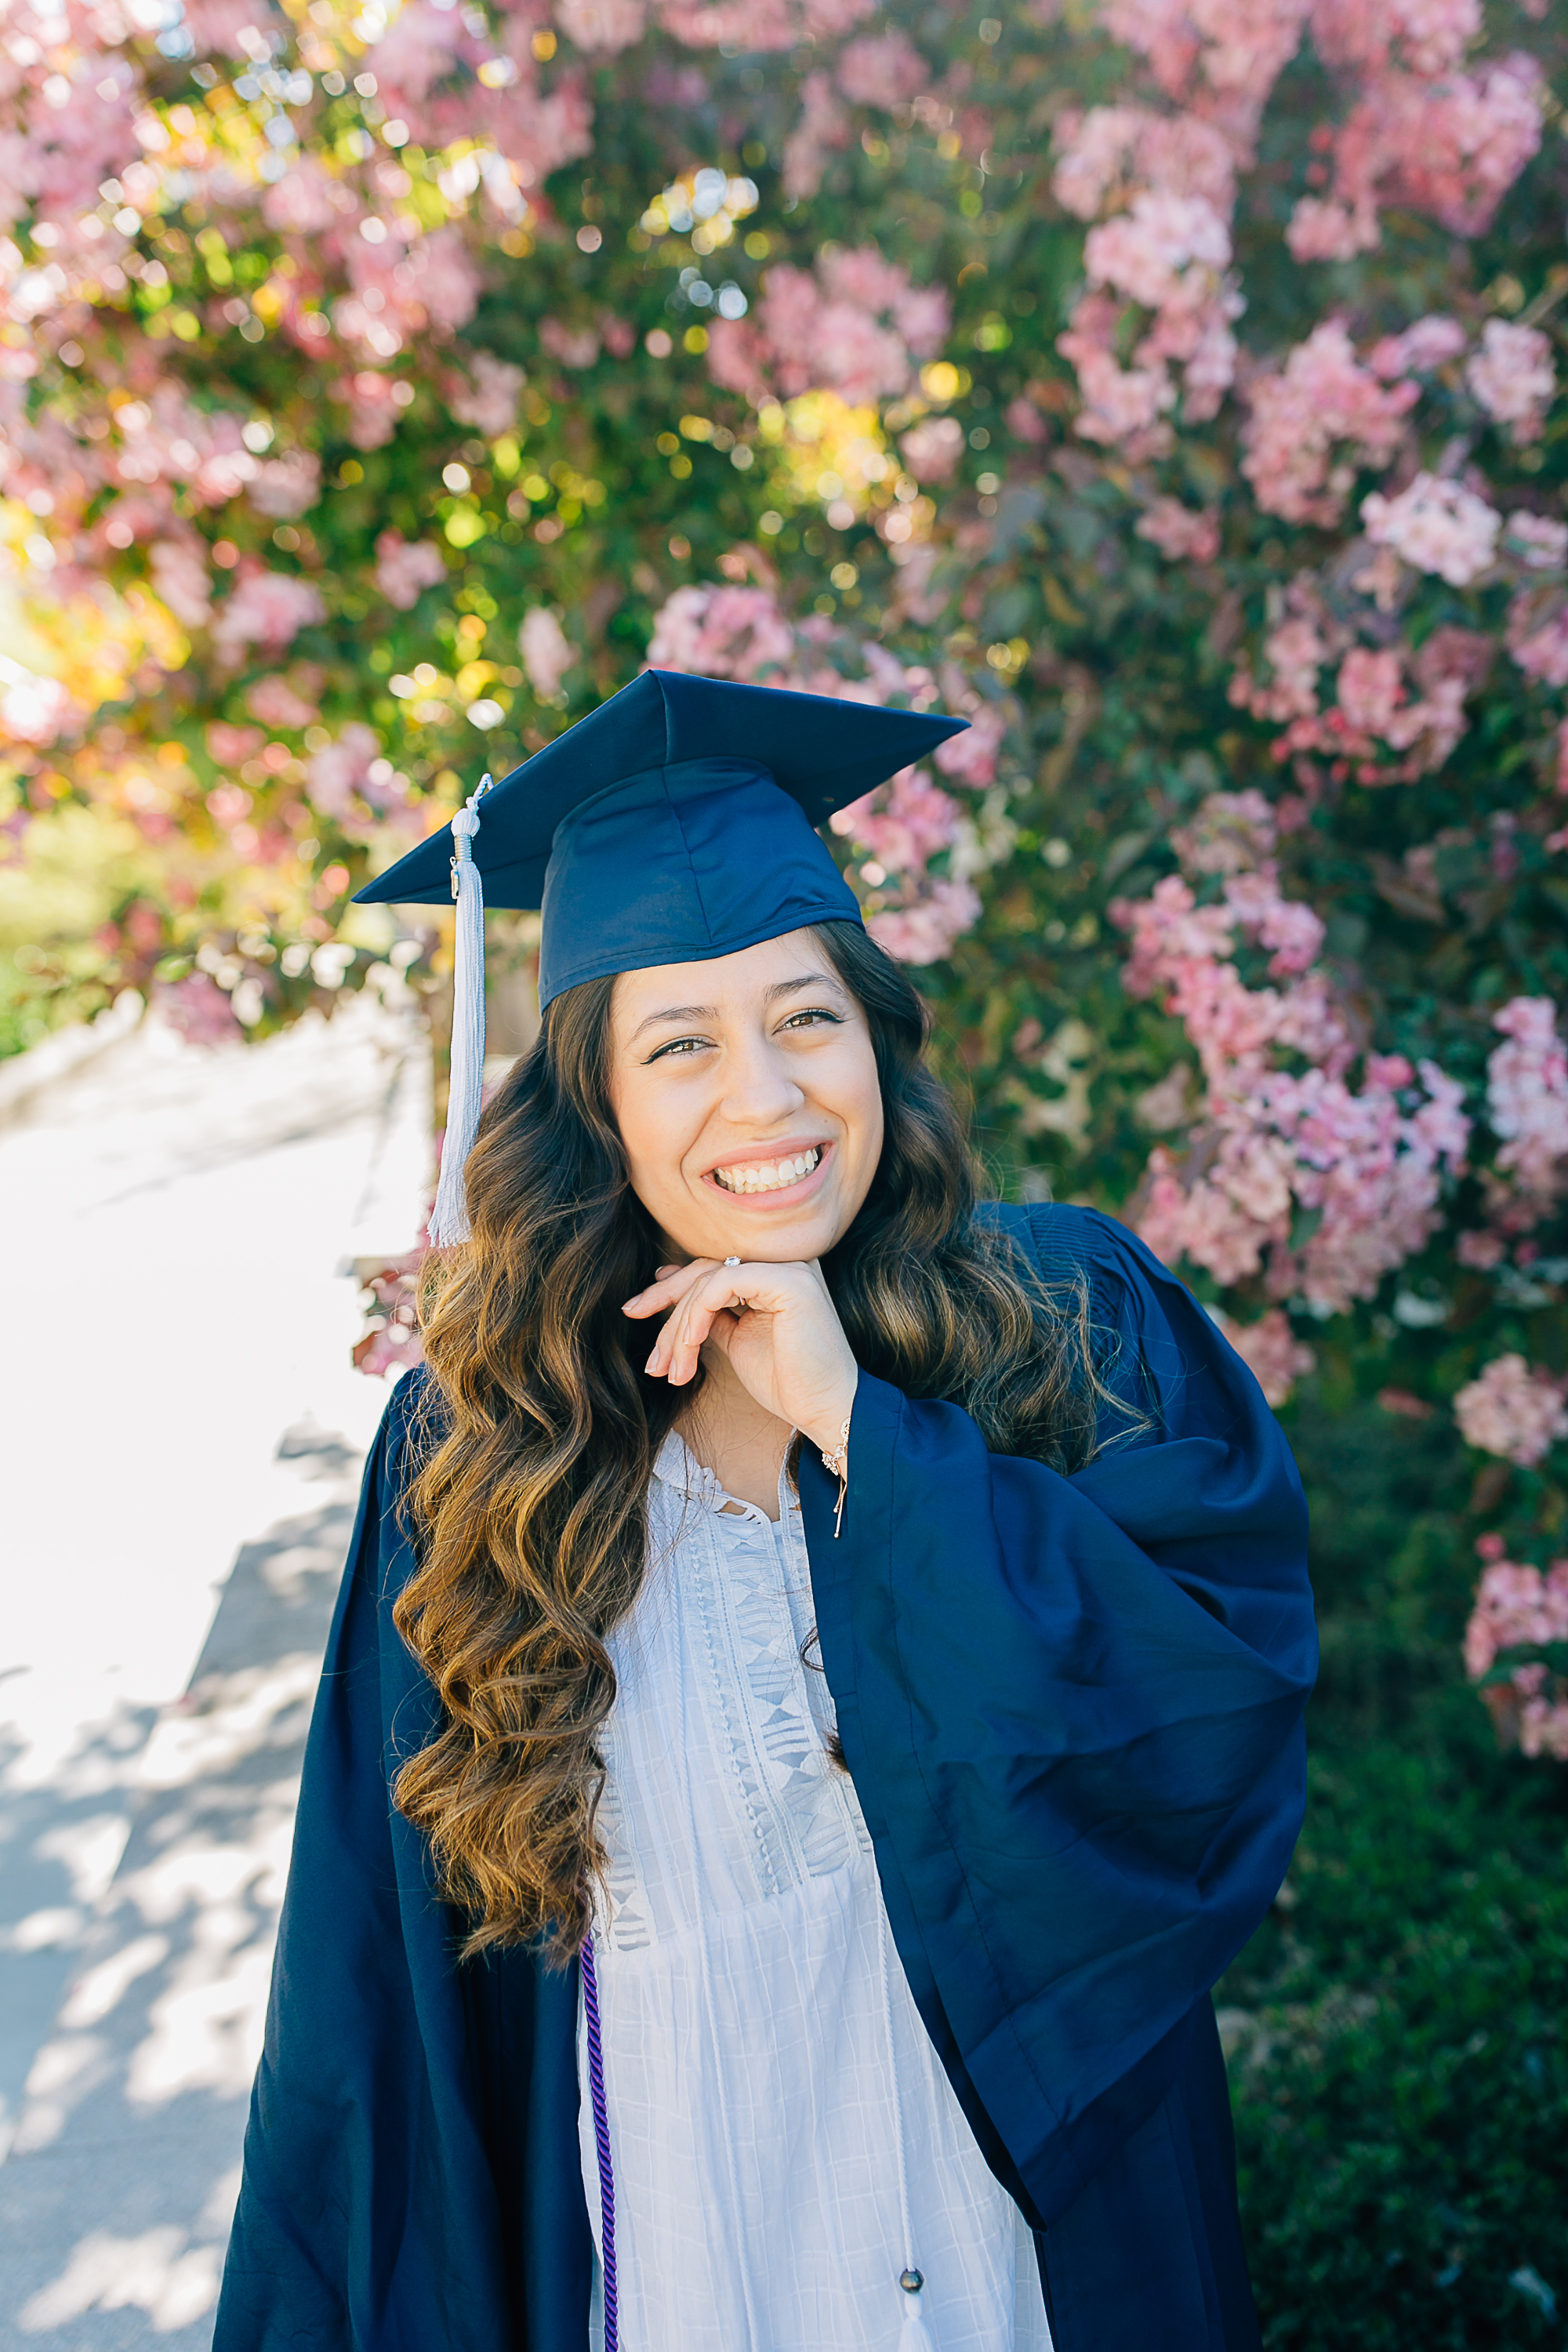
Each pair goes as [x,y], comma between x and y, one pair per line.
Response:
[760,1091]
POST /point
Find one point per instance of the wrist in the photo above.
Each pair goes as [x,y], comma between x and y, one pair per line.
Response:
[828,1431]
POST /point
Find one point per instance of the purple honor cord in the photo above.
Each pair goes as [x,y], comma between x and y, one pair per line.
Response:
[602,2138]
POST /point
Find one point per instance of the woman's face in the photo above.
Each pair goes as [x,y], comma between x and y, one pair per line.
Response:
[746,1093]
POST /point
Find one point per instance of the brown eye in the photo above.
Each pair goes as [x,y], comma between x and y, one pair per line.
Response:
[677,1045]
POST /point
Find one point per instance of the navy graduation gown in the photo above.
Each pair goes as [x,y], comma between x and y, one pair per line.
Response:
[1072,1710]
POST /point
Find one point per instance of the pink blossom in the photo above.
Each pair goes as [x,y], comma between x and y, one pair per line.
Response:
[307,201]
[1295,652]
[405,568]
[287,485]
[932,449]
[1437,525]
[1542,543]
[1221,61]
[759,25]
[902,825]
[231,746]
[418,51]
[1455,149]
[925,931]
[339,769]
[1513,377]
[1515,1608]
[1287,926]
[182,580]
[1024,421]
[1429,37]
[1108,151]
[1144,253]
[856,326]
[603,27]
[1374,707]
[970,758]
[393,1342]
[1480,1250]
[822,132]
[1527,1098]
[1370,1163]
[1232,832]
[198,1009]
[1538,638]
[1450,147]
[1429,344]
[1322,396]
[1180,533]
[218,27]
[276,704]
[1168,254]
[882,69]
[1369,690]
[266,609]
[373,404]
[488,400]
[727,632]
[1119,403]
[547,651]
[1543,1723]
[1320,229]
[1271,1352]
[1512,1411]
[573,347]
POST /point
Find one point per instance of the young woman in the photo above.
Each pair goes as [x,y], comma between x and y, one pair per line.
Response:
[815,1700]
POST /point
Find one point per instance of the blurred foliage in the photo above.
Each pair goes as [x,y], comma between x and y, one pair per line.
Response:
[1397,2056]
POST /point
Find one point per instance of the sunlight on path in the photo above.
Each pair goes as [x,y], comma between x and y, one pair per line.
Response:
[185,1436]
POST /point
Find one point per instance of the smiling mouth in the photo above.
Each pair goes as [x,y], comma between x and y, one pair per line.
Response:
[769,1175]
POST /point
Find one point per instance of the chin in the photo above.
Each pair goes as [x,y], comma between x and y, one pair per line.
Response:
[795,1238]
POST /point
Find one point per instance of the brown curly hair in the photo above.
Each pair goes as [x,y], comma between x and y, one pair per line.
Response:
[537,1434]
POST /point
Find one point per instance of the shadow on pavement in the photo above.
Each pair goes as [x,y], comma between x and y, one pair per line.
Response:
[116,2200]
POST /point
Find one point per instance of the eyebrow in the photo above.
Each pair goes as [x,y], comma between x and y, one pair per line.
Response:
[711,1011]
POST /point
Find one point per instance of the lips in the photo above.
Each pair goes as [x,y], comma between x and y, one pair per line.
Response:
[776,1175]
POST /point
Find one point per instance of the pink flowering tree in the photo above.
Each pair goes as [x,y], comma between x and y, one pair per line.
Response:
[1176,392]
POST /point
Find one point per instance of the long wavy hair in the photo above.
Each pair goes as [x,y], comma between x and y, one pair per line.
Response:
[538,1432]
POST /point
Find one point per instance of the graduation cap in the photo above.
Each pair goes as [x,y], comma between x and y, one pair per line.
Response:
[673,824]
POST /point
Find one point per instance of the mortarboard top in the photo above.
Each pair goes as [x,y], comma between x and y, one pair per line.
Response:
[673,824]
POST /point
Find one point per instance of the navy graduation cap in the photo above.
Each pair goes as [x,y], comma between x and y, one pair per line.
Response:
[674,823]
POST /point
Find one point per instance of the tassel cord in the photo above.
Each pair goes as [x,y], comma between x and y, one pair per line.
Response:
[602,2142]
[914,2335]
[449,1217]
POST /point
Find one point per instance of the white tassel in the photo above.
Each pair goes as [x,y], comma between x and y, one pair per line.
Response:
[914,2335]
[449,1217]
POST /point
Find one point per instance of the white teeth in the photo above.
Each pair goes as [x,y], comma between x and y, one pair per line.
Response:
[768,1175]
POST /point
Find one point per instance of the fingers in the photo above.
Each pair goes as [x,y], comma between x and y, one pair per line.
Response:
[671,1284]
[704,1304]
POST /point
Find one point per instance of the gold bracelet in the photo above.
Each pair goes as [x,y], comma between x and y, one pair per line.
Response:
[837,1464]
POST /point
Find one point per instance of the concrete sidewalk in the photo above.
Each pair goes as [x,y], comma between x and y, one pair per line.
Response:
[184,1436]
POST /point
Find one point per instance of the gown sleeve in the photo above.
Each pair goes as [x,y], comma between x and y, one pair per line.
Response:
[1072,1708]
[413,2127]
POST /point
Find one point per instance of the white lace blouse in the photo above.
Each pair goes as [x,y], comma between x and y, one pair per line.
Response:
[748,1987]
